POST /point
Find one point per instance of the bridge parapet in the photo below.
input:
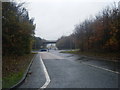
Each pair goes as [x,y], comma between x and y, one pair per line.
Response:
[49,42]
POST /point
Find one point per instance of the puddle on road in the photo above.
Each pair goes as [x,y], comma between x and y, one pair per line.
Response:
[81,58]
[70,55]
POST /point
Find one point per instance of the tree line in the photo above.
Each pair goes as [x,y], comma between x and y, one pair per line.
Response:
[38,43]
[17,29]
[100,34]
[65,42]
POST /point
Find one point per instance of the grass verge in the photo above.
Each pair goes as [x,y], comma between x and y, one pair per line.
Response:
[14,68]
[72,52]
[35,49]
[105,55]
[12,79]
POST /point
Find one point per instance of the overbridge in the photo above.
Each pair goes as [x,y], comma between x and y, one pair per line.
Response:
[50,42]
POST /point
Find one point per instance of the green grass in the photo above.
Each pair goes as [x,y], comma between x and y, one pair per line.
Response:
[34,52]
[13,69]
[74,52]
[12,79]
[35,49]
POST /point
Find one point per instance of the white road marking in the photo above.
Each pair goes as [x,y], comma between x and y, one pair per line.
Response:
[46,75]
[101,68]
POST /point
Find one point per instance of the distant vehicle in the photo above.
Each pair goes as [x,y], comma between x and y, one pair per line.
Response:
[43,50]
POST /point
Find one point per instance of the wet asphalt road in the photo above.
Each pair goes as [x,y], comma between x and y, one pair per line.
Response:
[107,64]
[68,71]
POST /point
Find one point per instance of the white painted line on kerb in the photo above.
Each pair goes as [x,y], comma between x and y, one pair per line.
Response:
[101,68]
[46,75]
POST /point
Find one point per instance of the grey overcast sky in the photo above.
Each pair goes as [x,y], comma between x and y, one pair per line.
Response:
[55,18]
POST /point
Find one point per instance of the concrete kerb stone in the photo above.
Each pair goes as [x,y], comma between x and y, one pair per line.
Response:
[25,74]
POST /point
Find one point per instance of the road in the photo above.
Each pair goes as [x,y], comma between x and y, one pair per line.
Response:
[71,71]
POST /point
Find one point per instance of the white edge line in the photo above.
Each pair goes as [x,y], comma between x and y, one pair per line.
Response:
[46,75]
[102,68]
